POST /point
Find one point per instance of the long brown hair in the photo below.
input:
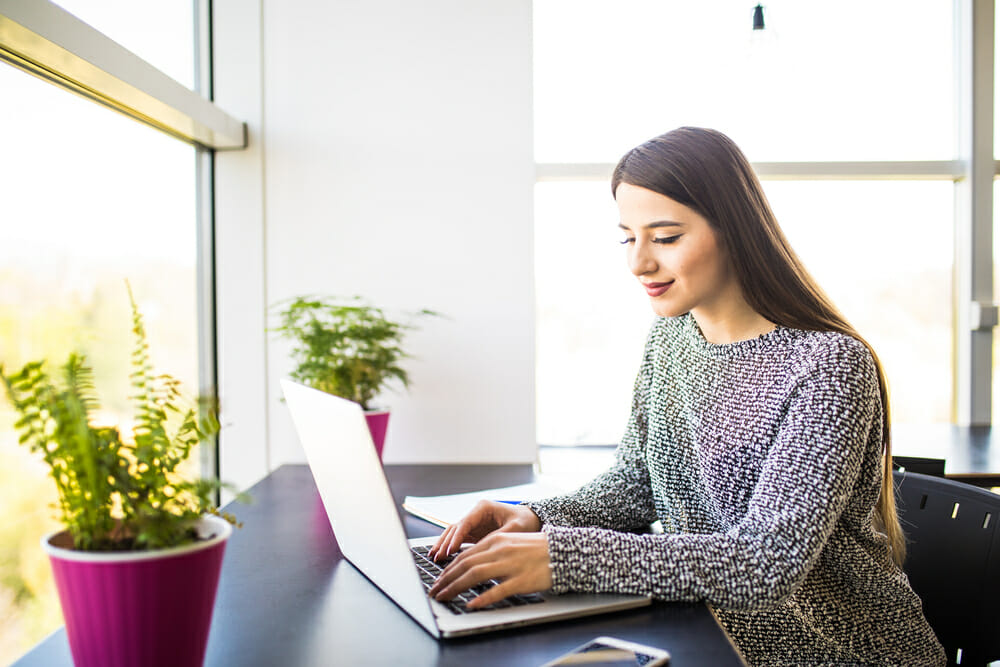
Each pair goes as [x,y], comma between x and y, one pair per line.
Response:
[704,170]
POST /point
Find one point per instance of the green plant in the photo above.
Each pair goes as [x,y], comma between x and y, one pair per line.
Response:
[116,495]
[344,347]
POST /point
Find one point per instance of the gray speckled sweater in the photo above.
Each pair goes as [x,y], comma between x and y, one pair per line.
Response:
[762,460]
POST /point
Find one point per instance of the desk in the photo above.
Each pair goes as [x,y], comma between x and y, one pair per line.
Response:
[287,597]
[968,451]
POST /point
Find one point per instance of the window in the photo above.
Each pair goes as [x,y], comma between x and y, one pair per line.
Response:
[821,82]
[591,321]
[818,92]
[91,199]
[884,256]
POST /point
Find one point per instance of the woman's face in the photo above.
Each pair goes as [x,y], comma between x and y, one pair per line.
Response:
[674,253]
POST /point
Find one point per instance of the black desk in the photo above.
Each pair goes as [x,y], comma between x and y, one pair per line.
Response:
[286,597]
[969,453]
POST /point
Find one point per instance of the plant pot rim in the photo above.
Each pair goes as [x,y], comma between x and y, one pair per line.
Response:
[211,529]
[376,411]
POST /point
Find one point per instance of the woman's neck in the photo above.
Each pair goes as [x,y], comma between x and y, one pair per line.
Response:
[731,325]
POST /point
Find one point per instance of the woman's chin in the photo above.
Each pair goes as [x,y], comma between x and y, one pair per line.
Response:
[666,310]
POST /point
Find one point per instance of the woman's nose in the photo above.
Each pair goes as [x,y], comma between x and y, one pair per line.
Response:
[640,261]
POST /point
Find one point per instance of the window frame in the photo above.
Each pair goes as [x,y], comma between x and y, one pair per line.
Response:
[46,41]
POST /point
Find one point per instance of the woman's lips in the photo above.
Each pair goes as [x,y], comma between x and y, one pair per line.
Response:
[657,289]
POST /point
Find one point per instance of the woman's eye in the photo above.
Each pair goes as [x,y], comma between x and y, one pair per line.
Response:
[667,239]
[626,241]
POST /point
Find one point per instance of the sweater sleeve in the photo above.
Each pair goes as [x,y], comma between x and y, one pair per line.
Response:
[621,497]
[805,483]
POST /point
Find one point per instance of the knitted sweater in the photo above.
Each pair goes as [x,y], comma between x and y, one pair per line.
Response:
[762,460]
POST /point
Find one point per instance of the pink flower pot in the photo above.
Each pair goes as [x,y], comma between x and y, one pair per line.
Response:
[147,608]
[378,422]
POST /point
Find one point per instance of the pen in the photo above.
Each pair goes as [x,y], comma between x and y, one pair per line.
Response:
[510,502]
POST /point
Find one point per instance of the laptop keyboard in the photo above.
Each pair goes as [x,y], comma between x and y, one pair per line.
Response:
[429,571]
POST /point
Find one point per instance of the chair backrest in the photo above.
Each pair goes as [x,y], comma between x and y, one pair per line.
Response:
[924,466]
[953,562]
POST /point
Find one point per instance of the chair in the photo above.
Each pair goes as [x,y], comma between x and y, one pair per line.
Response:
[919,464]
[953,562]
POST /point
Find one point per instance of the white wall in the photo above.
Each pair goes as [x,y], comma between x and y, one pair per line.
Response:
[397,164]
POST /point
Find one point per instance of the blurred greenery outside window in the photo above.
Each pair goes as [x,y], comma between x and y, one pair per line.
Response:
[609,76]
[90,199]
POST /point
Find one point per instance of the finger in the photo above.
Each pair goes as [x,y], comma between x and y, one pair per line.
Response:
[456,539]
[440,547]
[458,568]
[454,570]
[473,576]
[478,523]
[450,542]
[503,589]
[440,584]
[439,544]
[464,552]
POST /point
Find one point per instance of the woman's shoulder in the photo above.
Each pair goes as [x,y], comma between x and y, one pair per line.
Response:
[832,358]
[829,347]
[819,345]
[801,349]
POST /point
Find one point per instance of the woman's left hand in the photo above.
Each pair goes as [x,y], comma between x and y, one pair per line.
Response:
[519,561]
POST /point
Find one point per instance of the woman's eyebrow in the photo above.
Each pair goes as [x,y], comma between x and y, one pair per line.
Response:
[655,224]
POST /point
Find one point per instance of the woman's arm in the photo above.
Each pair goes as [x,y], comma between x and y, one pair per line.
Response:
[804,485]
[618,499]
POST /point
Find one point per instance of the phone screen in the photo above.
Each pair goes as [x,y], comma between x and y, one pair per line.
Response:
[598,654]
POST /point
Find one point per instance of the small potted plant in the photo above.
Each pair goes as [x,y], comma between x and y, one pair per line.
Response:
[138,562]
[346,347]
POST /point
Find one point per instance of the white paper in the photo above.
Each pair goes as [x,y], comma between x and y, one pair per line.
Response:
[446,510]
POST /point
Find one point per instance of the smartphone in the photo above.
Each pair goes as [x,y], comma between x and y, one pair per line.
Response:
[612,652]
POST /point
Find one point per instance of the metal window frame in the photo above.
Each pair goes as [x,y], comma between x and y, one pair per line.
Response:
[49,42]
[927,170]
[207,317]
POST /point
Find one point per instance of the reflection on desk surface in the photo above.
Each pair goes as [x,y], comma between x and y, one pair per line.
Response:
[965,449]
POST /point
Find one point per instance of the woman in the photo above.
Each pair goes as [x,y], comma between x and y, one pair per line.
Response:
[759,438]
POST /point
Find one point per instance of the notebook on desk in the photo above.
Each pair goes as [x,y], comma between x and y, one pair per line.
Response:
[356,496]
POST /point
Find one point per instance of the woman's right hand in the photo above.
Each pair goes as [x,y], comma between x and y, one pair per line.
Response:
[486,517]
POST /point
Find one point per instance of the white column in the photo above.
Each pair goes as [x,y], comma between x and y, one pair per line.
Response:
[975,311]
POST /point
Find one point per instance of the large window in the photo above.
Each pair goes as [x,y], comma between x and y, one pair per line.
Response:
[820,92]
[822,82]
[91,199]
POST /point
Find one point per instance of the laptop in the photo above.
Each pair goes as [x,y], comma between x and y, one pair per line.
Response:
[352,485]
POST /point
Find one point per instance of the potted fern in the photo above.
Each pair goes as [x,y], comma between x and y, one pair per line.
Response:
[137,565]
[349,348]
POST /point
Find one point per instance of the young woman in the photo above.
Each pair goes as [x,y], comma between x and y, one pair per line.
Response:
[759,438]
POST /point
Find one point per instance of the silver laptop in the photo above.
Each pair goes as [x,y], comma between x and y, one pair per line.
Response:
[361,510]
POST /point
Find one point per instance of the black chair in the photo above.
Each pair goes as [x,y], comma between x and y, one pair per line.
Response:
[919,464]
[953,562]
